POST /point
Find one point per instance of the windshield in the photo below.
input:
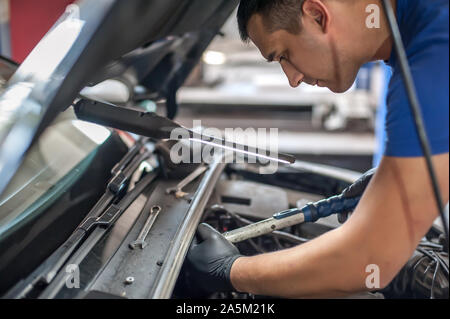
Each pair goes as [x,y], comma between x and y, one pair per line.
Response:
[53,164]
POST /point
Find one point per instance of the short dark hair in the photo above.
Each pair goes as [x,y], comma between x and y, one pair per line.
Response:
[277,14]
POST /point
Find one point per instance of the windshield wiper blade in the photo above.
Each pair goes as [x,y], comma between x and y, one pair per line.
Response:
[133,151]
[121,174]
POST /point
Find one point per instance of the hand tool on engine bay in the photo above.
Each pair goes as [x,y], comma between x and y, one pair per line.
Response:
[158,127]
[178,189]
[140,241]
[308,213]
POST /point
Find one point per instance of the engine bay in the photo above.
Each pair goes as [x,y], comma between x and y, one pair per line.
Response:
[226,196]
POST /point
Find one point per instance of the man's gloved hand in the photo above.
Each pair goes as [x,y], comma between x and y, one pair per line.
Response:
[356,189]
[210,260]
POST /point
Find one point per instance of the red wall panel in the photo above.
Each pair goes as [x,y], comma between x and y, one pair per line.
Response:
[29,21]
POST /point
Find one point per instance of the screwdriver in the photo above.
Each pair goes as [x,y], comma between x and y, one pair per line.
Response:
[308,213]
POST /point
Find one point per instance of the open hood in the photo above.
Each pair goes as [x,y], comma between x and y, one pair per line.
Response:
[160,41]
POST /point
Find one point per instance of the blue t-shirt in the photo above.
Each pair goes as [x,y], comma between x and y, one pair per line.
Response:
[424,27]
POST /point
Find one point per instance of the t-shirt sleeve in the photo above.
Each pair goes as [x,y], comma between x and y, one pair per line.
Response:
[429,68]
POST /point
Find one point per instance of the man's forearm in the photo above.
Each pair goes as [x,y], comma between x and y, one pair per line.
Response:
[329,266]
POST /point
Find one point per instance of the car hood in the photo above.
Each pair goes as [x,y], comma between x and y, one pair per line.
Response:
[159,40]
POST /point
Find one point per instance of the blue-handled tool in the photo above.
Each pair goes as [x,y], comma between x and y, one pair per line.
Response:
[308,213]
[323,208]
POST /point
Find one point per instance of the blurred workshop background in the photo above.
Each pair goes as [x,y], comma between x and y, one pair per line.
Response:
[233,86]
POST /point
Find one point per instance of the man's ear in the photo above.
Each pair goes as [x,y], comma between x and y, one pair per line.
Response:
[316,10]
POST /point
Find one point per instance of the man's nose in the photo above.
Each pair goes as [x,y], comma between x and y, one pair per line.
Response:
[294,76]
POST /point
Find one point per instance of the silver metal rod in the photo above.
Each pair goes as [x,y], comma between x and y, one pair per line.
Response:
[251,152]
[263,227]
[177,252]
[325,170]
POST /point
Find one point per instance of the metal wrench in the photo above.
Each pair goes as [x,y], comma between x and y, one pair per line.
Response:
[140,241]
[178,189]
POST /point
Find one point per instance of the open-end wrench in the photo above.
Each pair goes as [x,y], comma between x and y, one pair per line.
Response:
[140,241]
[178,189]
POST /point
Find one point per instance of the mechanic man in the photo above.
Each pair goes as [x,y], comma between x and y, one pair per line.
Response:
[324,43]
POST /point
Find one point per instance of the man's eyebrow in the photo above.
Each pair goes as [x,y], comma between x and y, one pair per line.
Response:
[271,57]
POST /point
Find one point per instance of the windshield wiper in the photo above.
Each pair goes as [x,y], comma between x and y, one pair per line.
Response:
[104,213]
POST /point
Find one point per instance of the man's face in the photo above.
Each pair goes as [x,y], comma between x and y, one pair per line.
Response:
[312,56]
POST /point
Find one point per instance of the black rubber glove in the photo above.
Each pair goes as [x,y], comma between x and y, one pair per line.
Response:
[356,189]
[210,260]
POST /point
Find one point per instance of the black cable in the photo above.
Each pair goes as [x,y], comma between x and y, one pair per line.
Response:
[441,261]
[415,107]
[436,257]
[433,281]
[430,245]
